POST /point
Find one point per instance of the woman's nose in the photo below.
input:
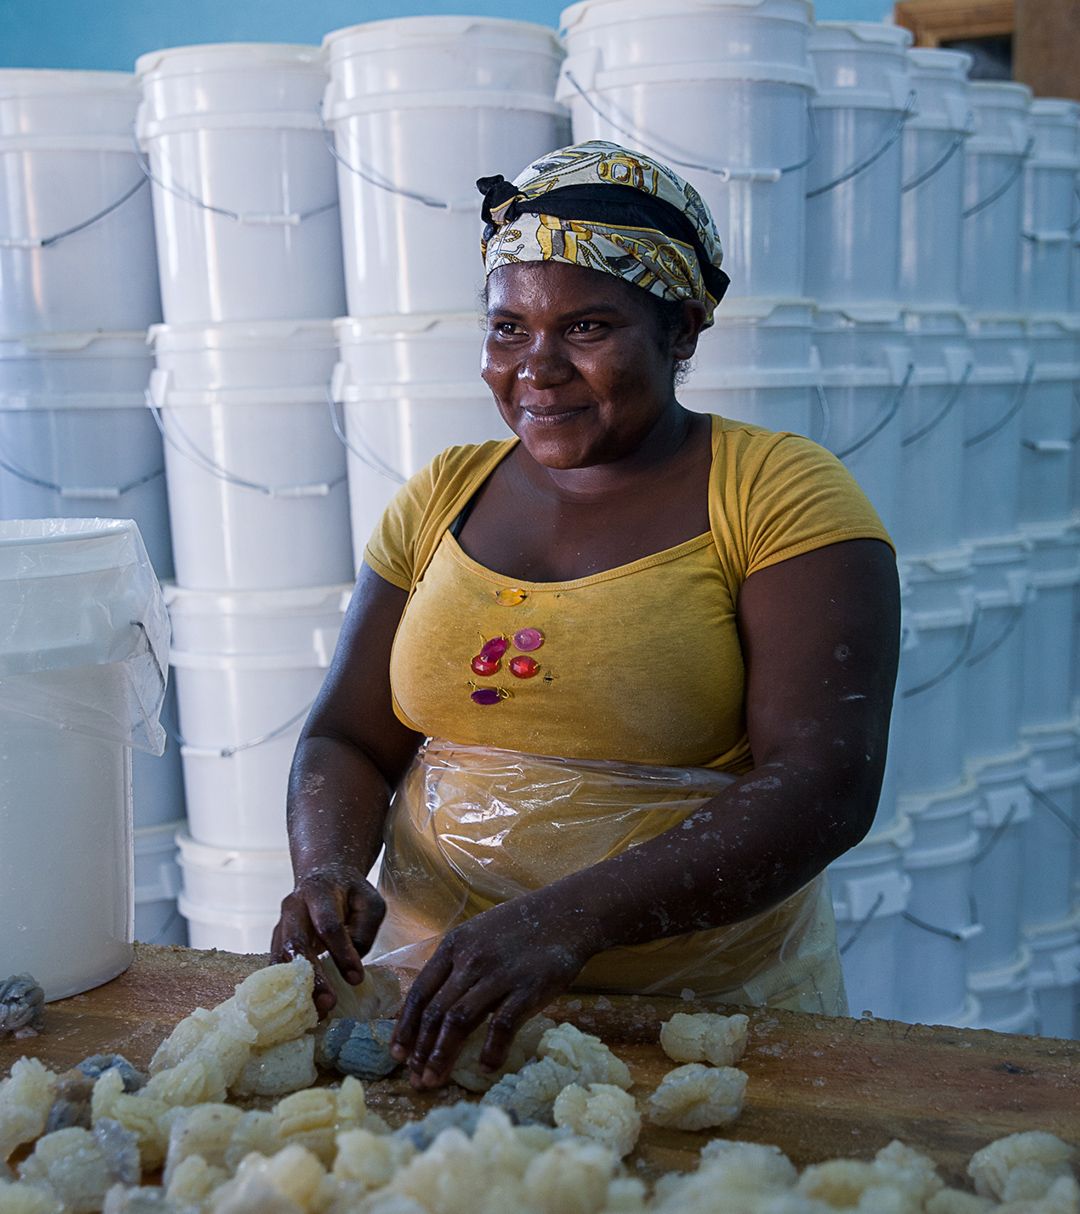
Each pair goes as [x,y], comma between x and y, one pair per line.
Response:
[544,365]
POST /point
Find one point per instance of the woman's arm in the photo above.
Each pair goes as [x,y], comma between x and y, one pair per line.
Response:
[351,754]
[820,638]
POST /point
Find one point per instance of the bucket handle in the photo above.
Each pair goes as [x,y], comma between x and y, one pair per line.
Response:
[1052,807]
[370,459]
[46,242]
[1005,186]
[954,664]
[252,218]
[227,752]
[863,923]
[109,494]
[960,935]
[1010,413]
[860,166]
[1015,616]
[725,174]
[961,138]
[826,415]
[1065,236]
[201,460]
[944,411]
[890,412]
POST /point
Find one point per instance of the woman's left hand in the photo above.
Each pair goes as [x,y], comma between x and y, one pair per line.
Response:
[508,962]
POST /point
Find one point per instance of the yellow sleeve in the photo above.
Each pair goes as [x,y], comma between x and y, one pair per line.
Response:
[391,550]
[801,497]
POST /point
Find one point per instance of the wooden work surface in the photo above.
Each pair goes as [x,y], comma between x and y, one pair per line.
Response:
[819,1087]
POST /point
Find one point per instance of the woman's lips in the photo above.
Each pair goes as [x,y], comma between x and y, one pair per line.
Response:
[551,417]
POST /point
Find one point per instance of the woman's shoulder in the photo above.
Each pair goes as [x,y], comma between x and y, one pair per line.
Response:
[743,450]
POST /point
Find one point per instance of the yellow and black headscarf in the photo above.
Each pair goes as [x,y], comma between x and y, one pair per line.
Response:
[603,207]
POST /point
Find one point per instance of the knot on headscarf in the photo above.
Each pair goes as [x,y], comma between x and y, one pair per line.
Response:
[603,207]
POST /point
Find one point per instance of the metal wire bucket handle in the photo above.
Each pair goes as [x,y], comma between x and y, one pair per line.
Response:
[369,458]
[1005,186]
[891,411]
[954,664]
[647,143]
[106,494]
[860,166]
[1052,807]
[249,218]
[227,752]
[1010,413]
[944,411]
[46,242]
[961,138]
[201,460]
[1016,614]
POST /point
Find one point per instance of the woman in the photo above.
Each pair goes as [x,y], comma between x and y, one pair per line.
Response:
[695,618]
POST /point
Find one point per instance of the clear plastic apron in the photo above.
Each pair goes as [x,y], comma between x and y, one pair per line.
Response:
[471,827]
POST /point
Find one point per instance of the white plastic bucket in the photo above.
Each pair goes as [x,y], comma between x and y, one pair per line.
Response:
[653,76]
[420,108]
[1004,994]
[409,387]
[993,170]
[157,884]
[993,425]
[864,98]
[997,880]
[1050,626]
[931,433]
[992,675]
[236,879]
[758,363]
[866,373]
[1050,847]
[1055,977]
[256,476]
[247,668]
[1048,423]
[931,192]
[157,781]
[938,608]
[231,931]
[75,436]
[1051,208]
[870,892]
[937,929]
[76,229]
[244,189]
[80,682]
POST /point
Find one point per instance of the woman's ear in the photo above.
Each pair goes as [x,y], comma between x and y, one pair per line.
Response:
[686,338]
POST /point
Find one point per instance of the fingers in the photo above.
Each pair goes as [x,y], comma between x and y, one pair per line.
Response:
[428,981]
[505,1022]
[453,1029]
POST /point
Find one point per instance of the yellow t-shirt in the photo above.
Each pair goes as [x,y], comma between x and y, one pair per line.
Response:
[640,663]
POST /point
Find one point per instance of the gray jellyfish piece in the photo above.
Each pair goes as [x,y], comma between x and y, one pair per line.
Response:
[358,1047]
[22,1004]
[462,1116]
[97,1064]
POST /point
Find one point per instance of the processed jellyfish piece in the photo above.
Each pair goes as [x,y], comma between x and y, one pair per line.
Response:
[22,1005]
[449,1175]
[148,1119]
[586,1055]
[26,1097]
[626,1195]
[279,1070]
[754,1166]
[695,1097]
[256,1131]
[97,1064]
[377,997]
[80,1167]
[146,1200]
[193,1180]
[956,1201]
[204,1130]
[313,1118]
[909,1171]
[601,1112]
[287,1181]
[358,1048]
[277,1002]
[851,1184]
[369,1161]
[187,1034]
[19,1198]
[704,1037]
[71,1103]
[469,1074]
[746,1174]
[530,1094]
[1020,1166]
[570,1178]
[463,1116]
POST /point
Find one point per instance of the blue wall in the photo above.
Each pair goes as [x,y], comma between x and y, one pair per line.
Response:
[111,34]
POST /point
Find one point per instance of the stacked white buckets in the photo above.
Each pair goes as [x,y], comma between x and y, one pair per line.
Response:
[248,237]
[79,287]
[420,108]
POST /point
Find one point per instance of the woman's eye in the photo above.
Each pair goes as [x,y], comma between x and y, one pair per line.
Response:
[505,328]
[585,326]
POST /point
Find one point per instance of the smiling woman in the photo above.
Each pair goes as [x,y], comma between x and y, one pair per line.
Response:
[613,692]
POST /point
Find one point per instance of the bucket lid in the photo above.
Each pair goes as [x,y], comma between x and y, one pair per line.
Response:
[407,324]
[1058,108]
[235,859]
[242,335]
[1005,93]
[844,35]
[213,604]
[49,82]
[937,62]
[1012,976]
[615,12]
[394,32]
[49,345]
[227,57]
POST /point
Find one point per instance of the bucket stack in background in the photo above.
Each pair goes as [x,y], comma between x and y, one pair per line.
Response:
[79,288]
[249,248]
[420,108]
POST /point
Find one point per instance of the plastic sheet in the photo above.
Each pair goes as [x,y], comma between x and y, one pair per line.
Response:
[84,634]
[471,827]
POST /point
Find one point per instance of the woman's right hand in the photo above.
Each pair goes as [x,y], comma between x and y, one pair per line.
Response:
[331,909]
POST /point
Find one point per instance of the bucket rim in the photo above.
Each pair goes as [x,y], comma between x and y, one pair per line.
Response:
[1001,979]
[939,61]
[202,912]
[195,336]
[432,28]
[1055,107]
[572,15]
[167,829]
[32,345]
[1008,94]
[306,600]
[238,859]
[58,81]
[794,75]
[869,32]
[227,56]
[404,324]
[459,99]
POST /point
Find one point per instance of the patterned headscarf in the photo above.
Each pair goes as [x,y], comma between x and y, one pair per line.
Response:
[603,207]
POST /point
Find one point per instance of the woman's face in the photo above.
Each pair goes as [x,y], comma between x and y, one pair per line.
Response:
[576,361]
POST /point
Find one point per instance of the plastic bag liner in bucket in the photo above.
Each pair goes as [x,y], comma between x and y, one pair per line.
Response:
[83,660]
[471,827]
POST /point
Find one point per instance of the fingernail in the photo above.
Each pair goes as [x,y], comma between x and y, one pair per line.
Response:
[430,1078]
[354,977]
[399,1052]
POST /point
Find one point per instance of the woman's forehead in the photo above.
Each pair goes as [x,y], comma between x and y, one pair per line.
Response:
[549,284]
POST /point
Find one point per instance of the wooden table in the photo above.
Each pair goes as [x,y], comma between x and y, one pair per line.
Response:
[819,1087]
